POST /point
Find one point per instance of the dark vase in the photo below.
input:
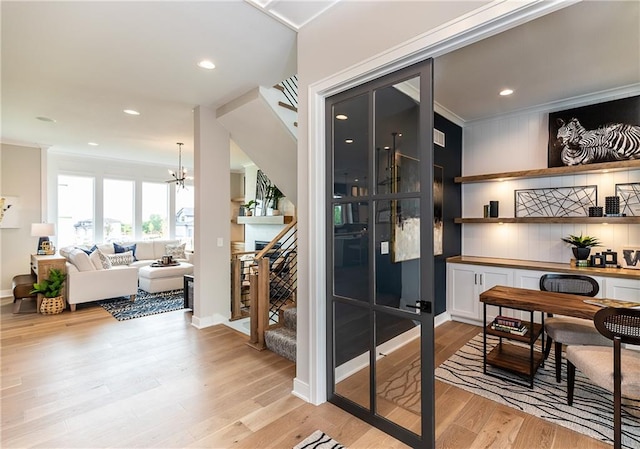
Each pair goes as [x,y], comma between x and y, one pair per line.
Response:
[581,253]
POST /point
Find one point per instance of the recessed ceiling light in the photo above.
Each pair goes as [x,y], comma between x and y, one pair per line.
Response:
[206,64]
[387,148]
[341,117]
[349,141]
[93,144]
[46,119]
[506,92]
[131,112]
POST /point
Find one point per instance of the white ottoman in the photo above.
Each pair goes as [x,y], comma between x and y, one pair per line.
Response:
[162,279]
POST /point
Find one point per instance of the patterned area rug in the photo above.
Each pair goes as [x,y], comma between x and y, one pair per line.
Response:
[592,410]
[145,304]
[319,440]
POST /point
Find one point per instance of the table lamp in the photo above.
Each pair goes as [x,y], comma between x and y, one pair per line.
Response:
[42,230]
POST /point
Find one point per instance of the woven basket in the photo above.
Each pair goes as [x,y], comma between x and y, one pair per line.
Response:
[52,306]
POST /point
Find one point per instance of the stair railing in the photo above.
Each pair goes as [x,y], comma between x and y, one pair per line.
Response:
[242,265]
[273,284]
[289,89]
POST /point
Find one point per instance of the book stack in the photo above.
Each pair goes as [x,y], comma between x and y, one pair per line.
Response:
[509,324]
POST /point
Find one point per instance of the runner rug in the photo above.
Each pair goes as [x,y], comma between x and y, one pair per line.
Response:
[592,410]
[145,304]
[319,440]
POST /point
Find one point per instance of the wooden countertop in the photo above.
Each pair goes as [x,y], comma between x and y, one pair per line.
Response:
[549,302]
[624,273]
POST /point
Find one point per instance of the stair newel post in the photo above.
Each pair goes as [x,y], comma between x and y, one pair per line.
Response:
[236,287]
[263,299]
[253,310]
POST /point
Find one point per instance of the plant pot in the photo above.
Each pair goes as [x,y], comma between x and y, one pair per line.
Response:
[52,306]
[581,253]
[275,212]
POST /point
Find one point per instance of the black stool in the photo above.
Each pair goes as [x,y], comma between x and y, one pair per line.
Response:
[22,285]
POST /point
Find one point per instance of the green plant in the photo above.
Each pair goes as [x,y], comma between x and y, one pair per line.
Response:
[52,286]
[274,195]
[580,241]
[250,205]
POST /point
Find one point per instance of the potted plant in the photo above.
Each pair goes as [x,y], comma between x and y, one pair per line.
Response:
[248,207]
[581,245]
[51,289]
[274,195]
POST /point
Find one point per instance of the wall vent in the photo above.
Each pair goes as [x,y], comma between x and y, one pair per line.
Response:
[438,137]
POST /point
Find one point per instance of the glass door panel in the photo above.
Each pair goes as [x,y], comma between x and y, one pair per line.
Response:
[398,371]
[351,250]
[351,353]
[398,253]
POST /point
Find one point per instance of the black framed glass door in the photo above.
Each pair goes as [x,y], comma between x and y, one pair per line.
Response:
[380,269]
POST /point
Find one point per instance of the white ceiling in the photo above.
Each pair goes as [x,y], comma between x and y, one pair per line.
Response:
[82,63]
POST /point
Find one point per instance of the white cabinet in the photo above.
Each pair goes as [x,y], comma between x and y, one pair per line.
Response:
[466,282]
[625,289]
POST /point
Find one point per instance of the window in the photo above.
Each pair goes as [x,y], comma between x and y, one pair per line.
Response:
[118,210]
[184,216]
[75,210]
[155,210]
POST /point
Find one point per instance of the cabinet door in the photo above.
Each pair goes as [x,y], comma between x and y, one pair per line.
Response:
[490,277]
[625,289]
[462,295]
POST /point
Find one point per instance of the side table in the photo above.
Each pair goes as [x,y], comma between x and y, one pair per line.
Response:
[188,291]
[40,267]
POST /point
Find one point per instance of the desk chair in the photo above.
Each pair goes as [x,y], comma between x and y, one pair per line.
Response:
[596,362]
[568,330]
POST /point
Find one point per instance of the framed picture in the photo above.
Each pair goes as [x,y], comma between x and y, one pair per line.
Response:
[604,132]
[629,257]
[9,212]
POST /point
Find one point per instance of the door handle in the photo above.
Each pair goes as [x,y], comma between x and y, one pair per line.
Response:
[422,306]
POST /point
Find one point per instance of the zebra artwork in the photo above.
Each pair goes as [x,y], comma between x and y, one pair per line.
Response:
[613,142]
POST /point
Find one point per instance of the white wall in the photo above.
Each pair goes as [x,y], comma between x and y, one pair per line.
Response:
[20,177]
[519,142]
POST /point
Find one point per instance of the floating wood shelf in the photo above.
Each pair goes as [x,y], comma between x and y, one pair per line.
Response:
[587,220]
[266,220]
[550,172]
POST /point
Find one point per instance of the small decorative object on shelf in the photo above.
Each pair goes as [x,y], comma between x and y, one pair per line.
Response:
[493,209]
[581,246]
[612,205]
[509,325]
[610,258]
[249,207]
[486,211]
[595,211]
[597,260]
[630,258]
[629,198]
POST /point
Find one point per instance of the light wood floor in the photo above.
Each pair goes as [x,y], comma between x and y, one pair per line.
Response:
[85,380]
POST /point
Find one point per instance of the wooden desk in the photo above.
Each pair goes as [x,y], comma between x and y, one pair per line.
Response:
[517,359]
[539,301]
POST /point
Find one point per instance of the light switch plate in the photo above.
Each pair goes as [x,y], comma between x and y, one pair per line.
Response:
[220,242]
[384,248]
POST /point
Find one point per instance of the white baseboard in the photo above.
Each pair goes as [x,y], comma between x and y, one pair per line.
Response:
[442,318]
[6,293]
[208,321]
[301,390]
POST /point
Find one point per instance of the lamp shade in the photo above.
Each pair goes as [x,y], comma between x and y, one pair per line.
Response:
[43,229]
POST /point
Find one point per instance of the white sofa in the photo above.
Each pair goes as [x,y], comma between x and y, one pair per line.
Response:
[88,280]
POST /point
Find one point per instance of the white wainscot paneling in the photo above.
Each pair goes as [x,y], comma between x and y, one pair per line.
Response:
[625,289]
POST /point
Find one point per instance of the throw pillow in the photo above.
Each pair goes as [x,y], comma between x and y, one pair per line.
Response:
[80,259]
[121,249]
[88,251]
[94,257]
[176,251]
[106,263]
[120,258]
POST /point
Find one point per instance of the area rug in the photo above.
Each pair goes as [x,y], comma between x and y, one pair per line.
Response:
[592,410]
[145,304]
[319,440]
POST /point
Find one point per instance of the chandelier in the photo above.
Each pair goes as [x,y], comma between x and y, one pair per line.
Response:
[181,175]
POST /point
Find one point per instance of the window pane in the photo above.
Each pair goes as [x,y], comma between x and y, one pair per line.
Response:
[75,211]
[184,216]
[118,210]
[351,147]
[155,211]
